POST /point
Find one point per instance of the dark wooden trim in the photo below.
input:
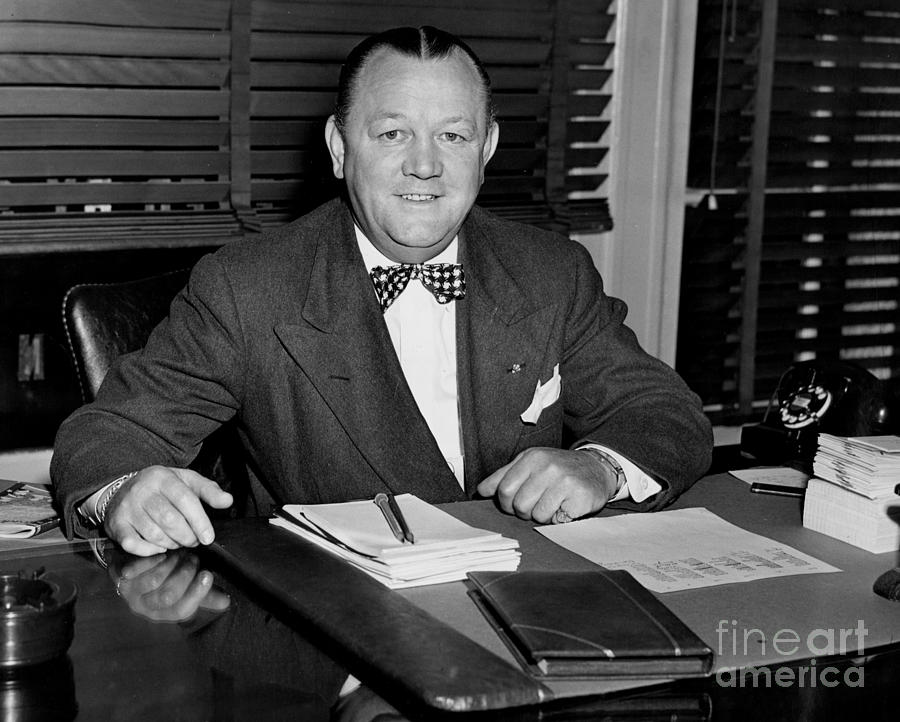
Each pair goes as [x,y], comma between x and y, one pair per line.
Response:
[757,205]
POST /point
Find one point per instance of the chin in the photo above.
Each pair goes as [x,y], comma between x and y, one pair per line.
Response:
[421,238]
[417,251]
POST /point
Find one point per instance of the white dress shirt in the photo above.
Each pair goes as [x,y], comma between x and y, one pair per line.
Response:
[423,332]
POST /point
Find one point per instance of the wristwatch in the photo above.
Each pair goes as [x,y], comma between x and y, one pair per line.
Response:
[610,460]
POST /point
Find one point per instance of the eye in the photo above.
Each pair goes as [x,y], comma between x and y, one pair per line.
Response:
[453,137]
[390,135]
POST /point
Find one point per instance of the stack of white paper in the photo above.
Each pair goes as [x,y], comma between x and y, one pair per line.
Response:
[868,465]
[853,497]
[445,548]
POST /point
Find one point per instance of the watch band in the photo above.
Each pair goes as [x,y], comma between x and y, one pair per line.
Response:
[110,492]
[613,464]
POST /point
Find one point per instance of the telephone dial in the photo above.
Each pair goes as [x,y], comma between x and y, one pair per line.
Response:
[837,398]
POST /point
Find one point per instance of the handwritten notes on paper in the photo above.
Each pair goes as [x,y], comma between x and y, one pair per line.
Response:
[681,549]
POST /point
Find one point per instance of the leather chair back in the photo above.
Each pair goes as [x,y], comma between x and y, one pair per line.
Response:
[105,320]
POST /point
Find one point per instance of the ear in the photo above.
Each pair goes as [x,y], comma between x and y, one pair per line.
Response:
[490,143]
[335,142]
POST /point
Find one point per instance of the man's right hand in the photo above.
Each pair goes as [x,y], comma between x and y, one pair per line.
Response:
[160,508]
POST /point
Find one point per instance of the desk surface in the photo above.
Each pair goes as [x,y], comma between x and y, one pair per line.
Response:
[801,603]
[258,659]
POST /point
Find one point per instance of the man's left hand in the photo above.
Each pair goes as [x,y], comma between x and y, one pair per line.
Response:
[551,485]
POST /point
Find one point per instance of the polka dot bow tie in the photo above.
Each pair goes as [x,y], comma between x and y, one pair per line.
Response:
[446,281]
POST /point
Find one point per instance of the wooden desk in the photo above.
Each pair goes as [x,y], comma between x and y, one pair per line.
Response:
[767,609]
[242,664]
[260,660]
[802,603]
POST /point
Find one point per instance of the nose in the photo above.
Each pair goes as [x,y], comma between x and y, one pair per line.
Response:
[422,159]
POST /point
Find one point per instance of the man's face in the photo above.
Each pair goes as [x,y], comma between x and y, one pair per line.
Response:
[413,151]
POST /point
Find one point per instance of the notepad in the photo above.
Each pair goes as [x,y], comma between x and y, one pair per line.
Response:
[446,549]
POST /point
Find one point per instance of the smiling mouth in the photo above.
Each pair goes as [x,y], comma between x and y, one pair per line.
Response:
[417,197]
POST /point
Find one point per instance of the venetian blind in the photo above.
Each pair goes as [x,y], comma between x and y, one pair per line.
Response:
[828,263]
[133,124]
[114,124]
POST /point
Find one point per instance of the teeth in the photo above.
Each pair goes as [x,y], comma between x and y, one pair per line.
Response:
[417,197]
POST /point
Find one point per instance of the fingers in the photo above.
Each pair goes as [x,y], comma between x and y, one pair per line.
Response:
[144,522]
[146,575]
[166,590]
[182,516]
[135,567]
[488,486]
[555,507]
[180,597]
[161,509]
[515,488]
[215,600]
[209,491]
[135,534]
[169,588]
[547,485]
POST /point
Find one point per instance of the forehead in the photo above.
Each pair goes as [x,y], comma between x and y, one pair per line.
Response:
[391,83]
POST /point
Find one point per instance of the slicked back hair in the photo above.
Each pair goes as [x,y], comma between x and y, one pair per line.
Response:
[426,43]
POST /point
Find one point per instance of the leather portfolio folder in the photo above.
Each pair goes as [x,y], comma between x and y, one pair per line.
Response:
[588,624]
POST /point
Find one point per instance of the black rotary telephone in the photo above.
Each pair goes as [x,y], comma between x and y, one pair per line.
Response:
[837,398]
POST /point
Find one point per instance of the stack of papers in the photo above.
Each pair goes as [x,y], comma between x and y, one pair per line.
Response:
[445,548]
[867,465]
[853,495]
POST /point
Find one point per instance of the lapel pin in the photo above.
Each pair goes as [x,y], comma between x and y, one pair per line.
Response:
[516,368]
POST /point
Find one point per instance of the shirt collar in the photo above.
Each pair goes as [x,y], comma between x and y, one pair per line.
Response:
[373,257]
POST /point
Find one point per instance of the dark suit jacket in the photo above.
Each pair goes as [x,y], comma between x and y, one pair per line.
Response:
[285,333]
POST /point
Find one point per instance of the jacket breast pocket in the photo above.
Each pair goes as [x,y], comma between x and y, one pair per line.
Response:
[548,431]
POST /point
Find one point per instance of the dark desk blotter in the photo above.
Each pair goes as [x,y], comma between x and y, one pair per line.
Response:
[588,624]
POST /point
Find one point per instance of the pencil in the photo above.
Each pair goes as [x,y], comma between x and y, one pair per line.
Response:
[398,514]
[394,517]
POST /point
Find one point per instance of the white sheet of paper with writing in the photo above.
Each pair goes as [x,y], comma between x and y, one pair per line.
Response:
[681,549]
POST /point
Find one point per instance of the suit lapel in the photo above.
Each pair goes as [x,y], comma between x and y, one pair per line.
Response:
[501,345]
[344,348]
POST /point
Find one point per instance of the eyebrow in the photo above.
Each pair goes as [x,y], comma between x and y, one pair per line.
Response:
[403,116]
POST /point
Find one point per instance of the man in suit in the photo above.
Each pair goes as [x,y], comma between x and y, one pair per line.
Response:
[345,381]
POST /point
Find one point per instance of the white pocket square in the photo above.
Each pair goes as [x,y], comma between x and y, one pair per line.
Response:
[544,395]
